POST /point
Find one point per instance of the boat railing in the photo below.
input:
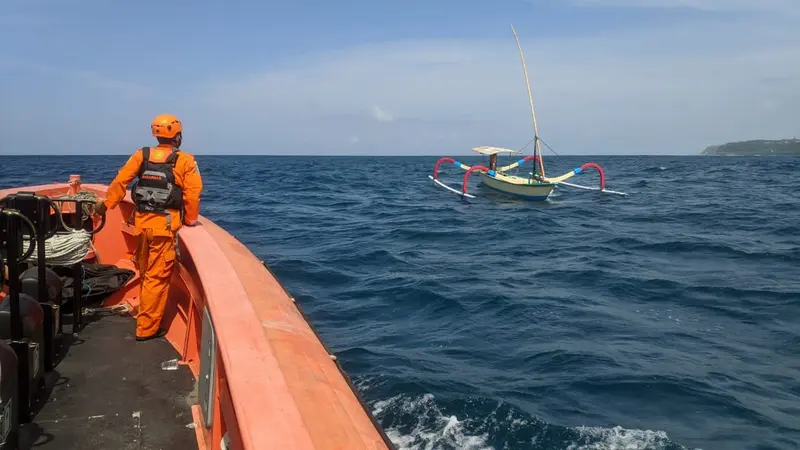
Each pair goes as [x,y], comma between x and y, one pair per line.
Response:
[238,403]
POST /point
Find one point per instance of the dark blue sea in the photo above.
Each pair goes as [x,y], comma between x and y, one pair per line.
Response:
[665,319]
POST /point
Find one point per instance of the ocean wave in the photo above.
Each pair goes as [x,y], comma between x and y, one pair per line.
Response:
[423,424]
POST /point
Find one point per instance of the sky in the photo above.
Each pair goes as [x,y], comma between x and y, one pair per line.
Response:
[435,77]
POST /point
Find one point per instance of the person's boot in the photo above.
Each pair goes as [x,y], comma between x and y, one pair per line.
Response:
[160,333]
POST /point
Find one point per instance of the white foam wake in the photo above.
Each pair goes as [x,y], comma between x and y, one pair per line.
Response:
[619,438]
[433,430]
[426,427]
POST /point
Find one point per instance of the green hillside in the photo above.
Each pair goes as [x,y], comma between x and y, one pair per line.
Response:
[761,147]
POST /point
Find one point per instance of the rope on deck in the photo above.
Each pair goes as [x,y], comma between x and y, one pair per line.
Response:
[71,247]
[64,249]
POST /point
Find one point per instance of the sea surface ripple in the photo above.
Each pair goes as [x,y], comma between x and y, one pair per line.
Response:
[666,319]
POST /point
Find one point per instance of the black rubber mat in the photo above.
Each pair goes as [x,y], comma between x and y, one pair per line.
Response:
[111,392]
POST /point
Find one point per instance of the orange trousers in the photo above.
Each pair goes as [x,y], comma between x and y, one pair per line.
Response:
[155,260]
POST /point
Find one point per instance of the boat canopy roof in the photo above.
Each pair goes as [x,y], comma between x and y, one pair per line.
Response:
[494,150]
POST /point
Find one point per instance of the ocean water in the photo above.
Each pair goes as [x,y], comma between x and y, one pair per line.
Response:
[666,319]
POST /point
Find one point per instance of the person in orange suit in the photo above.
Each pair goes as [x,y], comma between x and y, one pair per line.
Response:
[167,196]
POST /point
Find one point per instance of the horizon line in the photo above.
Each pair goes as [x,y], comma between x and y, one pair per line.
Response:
[337,155]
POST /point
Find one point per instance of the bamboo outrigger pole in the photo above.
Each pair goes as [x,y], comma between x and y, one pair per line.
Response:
[537,151]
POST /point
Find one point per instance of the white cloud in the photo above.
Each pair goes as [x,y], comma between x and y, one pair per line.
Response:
[381,115]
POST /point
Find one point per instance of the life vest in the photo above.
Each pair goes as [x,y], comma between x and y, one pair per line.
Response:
[155,190]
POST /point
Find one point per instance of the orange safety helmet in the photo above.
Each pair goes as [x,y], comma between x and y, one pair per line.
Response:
[166,126]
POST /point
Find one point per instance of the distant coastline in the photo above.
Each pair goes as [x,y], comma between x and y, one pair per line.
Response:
[760,147]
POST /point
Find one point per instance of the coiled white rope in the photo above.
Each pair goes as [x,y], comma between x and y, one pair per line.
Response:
[89,199]
[70,247]
[64,249]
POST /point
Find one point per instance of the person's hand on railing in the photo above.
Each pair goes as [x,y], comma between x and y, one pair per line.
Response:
[100,207]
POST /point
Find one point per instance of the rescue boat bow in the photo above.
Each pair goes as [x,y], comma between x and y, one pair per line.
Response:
[263,378]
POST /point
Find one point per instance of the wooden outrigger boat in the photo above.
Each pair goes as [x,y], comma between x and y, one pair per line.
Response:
[536,186]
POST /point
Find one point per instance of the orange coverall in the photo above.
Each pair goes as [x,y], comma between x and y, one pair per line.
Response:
[155,255]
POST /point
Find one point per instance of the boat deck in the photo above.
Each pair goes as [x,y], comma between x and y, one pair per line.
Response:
[110,392]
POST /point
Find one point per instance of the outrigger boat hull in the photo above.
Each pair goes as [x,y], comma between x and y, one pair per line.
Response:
[525,189]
